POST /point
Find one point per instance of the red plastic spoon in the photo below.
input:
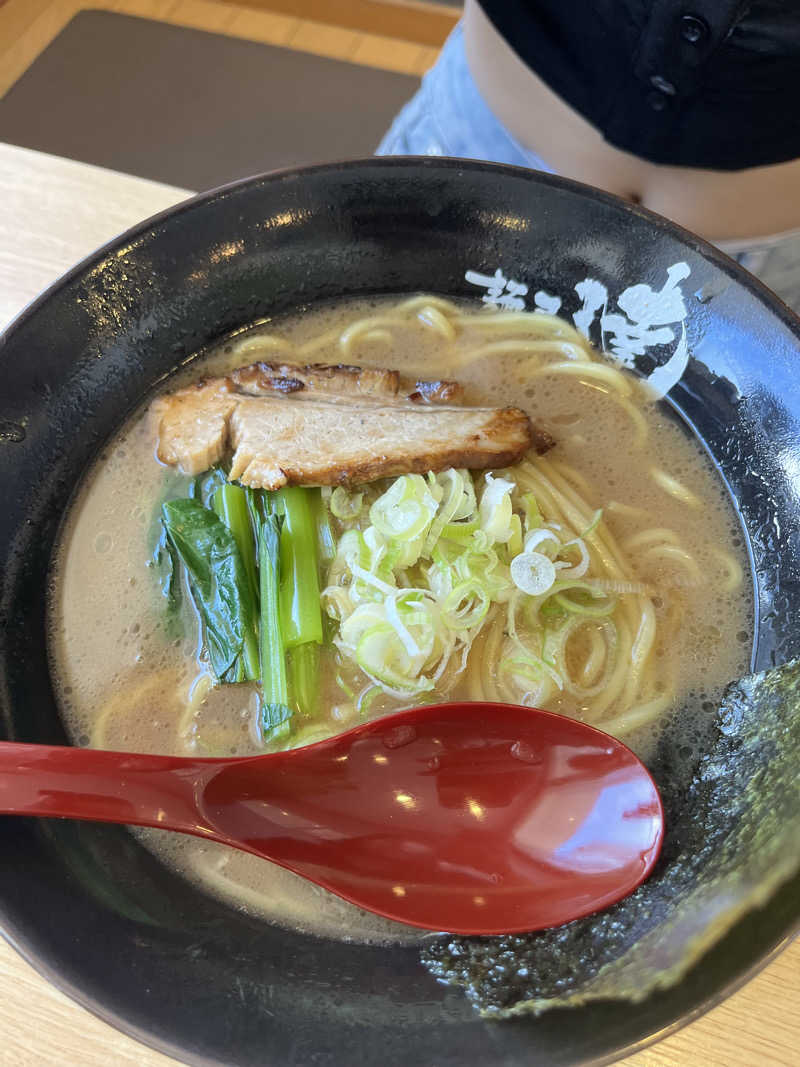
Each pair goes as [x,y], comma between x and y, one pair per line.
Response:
[471,818]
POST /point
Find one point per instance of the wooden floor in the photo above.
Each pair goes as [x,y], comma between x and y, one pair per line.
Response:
[28,26]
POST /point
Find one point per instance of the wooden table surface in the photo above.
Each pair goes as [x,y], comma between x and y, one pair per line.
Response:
[53,212]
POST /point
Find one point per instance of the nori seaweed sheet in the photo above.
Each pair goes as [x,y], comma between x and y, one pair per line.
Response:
[732,837]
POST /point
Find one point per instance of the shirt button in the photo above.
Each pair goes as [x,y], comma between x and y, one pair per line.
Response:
[693,29]
[657,101]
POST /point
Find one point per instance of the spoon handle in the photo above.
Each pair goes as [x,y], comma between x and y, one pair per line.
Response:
[117,787]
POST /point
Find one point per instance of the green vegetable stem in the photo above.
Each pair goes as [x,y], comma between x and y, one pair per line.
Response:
[304,677]
[301,615]
[274,685]
[305,533]
[231,505]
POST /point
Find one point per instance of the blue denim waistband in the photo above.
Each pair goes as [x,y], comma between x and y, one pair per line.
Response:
[449,117]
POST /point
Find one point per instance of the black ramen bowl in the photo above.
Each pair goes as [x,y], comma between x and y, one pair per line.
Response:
[85,903]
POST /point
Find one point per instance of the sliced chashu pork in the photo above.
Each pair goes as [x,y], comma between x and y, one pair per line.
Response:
[316,442]
[325,435]
[343,380]
[193,424]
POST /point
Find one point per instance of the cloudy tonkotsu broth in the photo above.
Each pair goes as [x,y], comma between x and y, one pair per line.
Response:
[128,680]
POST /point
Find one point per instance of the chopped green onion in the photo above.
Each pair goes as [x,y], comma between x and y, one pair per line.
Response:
[533,573]
[543,540]
[345,687]
[403,516]
[495,509]
[401,625]
[533,516]
[366,698]
[514,544]
[381,655]
[370,579]
[591,604]
[466,606]
[578,569]
[465,533]
[596,520]
[344,505]
[459,502]
[530,669]
[556,647]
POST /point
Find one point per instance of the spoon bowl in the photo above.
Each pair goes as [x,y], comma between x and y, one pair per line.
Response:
[473,818]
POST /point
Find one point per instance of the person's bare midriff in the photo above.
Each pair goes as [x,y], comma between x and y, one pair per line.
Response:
[719,205]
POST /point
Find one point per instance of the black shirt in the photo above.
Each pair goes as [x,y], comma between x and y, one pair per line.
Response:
[704,83]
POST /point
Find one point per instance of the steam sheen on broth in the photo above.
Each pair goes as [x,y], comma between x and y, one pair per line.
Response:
[131,681]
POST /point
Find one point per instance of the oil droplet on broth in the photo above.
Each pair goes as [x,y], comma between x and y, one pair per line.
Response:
[103,543]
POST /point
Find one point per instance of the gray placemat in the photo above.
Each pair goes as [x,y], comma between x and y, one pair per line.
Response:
[191,108]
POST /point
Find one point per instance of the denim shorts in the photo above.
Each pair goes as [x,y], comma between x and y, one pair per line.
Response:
[449,117]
